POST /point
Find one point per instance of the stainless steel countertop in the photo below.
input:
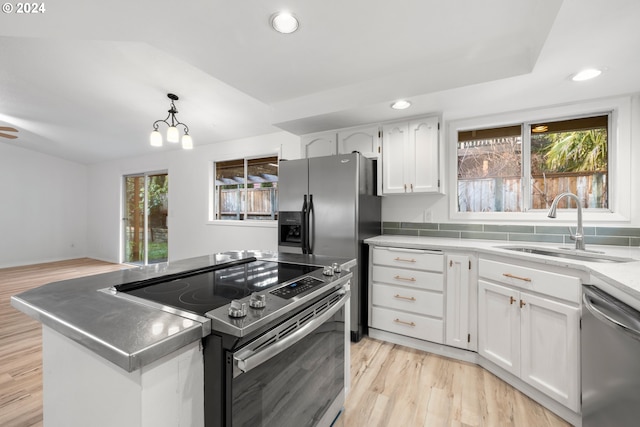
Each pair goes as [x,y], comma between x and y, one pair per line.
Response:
[128,334]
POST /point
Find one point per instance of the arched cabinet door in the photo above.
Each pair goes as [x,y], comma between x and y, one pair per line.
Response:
[365,140]
[319,144]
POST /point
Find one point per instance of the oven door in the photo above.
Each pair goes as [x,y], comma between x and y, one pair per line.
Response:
[294,375]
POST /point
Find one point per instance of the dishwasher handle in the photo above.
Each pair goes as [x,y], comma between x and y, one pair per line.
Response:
[616,317]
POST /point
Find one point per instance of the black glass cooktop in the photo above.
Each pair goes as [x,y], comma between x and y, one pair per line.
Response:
[206,290]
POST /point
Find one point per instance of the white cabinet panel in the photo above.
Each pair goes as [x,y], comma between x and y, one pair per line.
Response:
[550,352]
[365,140]
[319,144]
[411,156]
[460,306]
[414,259]
[425,280]
[499,326]
[408,299]
[409,324]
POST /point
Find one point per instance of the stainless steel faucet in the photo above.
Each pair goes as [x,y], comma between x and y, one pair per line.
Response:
[579,236]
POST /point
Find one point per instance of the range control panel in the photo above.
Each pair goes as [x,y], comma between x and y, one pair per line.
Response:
[296,288]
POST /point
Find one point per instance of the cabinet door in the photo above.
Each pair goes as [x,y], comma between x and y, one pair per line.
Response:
[549,343]
[424,161]
[365,140]
[318,144]
[394,145]
[457,322]
[499,326]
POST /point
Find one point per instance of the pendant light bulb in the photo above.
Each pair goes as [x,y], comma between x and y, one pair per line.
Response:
[172,134]
[187,142]
[155,139]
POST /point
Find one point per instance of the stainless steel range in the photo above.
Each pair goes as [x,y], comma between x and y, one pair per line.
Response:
[275,337]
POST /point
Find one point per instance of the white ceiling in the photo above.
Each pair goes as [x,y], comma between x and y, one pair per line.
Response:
[85,80]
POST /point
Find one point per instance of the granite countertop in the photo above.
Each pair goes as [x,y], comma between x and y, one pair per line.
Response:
[128,334]
[620,279]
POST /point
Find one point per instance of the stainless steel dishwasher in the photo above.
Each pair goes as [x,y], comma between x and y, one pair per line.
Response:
[610,341]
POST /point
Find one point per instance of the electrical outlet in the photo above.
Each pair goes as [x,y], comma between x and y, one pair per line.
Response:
[427,215]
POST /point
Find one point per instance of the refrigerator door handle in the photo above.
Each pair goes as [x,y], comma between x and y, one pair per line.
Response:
[310,225]
[304,225]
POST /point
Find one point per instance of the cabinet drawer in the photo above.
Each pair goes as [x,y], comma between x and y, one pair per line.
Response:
[408,299]
[408,258]
[405,277]
[412,325]
[544,282]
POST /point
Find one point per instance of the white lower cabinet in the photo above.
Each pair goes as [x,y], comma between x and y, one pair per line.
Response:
[520,320]
[406,293]
[461,301]
[533,336]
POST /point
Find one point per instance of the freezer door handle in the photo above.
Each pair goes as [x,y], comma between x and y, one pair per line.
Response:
[310,225]
[304,226]
[614,318]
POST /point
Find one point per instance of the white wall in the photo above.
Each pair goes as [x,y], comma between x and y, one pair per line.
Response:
[190,233]
[43,207]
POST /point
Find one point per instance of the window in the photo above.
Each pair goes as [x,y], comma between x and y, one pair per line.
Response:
[246,189]
[525,166]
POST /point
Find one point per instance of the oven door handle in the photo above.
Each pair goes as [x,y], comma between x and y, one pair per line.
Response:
[248,359]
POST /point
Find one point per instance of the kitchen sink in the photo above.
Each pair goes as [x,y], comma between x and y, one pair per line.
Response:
[579,255]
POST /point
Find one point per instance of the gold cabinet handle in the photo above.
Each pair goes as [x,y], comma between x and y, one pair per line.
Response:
[402,322]
[411,185]
[522,303]
[404,259]
[524,279]
[512,300]
[403,297]
[405,188]
[408,279]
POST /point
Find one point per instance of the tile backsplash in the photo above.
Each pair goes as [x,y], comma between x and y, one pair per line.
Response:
[616,236]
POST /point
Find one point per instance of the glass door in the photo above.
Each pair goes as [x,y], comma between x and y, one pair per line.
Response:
[146,205]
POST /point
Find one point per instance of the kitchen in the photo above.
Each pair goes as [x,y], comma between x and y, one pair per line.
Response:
[42,228]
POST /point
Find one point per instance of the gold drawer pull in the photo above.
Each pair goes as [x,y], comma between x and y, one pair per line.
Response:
[525,279]
[408,279]
[402,322]
[403,297]
[404,259]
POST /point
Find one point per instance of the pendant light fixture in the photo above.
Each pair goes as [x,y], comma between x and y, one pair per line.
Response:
[173,135]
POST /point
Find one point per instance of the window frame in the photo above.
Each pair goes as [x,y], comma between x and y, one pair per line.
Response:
[212,189]
[619,162]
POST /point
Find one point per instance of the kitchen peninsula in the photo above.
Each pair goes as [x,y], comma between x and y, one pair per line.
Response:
[102,350]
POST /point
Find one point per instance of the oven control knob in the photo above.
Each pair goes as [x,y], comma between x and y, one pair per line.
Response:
[258,300]
[237,309]
[328,271]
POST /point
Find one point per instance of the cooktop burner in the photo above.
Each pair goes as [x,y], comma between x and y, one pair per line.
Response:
[203,291]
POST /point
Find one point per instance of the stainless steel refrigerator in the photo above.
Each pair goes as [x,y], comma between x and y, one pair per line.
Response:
[328,206]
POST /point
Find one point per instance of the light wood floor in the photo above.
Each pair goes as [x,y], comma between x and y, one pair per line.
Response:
[391,385]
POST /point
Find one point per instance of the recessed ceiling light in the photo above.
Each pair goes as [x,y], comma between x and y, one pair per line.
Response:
[586,74]
[401,105]
[284,22]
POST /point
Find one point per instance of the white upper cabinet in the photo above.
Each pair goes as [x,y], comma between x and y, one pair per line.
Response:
[319,144]
[365,140]
[411,156]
